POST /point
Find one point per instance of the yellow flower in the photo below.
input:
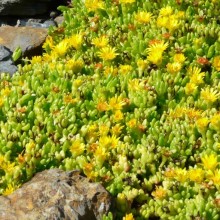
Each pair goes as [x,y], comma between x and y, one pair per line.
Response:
[118,115]
[196,76]
[103,129]
[215,121]
[5,92]
[100,41]
[143,17]
[134,84]
[125,69]
[10,189]
[209,95]
[128,217]
[214,176]
[196,175]
[116,103]
[74,65]
[202,124]
[102,106]
[132,123]
[48,44]
[159,193]
[77,147]
[155,57]
[117,129]
[75,41]
[174,67]
[158,46]
[7,166]
[100,155]
[166,11]
[178,112]
[68,99]
[36,60]
[173,23]
[216,63]
[162,21]
[61,48]
[210,161]
[110,70]
[155,52]
[193,113]
[179,57]
[107,53]
[108,141]
[181,175]
[93,5]
[127,1]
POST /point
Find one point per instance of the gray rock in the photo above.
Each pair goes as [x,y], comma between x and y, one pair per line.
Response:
[55,194]
[59,20]
[8,67]
[4,53]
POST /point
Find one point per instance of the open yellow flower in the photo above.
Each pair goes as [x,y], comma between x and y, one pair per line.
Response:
[197,77]
[174,67]
[116,103]
[196,175]
[107,53]
[210,162]
[93,5]
[166,11]
[155,52]
[76,41]
[159,193]
[61,48]
[179,57]
[143,17]
[209,95]
[100,41]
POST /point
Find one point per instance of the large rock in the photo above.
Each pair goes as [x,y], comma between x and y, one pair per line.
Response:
[30,39]
[55,194]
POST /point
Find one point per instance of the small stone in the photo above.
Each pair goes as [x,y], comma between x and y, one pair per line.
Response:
[8,67]
[4,53]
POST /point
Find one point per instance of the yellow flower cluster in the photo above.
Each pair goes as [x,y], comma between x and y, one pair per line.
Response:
[168,19]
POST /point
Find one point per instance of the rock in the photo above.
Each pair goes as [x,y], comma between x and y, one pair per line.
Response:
[5,53]
[59,20]
[55,194]
[6,63]
[30,39]
[8,67]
